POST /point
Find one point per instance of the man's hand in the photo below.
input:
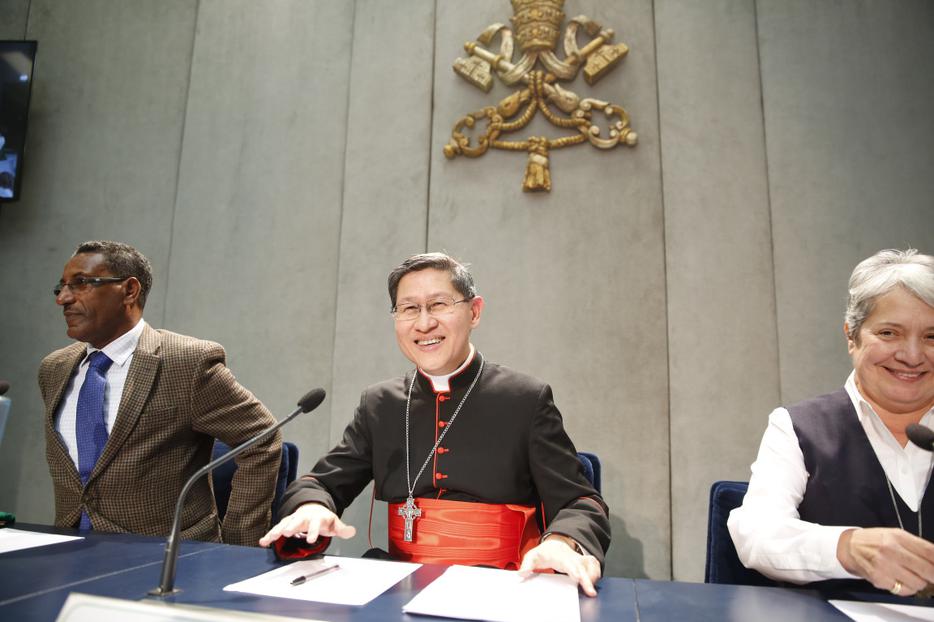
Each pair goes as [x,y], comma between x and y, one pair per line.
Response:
[890,559]
[557,553]
[311,519]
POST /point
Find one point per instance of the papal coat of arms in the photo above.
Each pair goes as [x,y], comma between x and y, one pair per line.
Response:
[536,26]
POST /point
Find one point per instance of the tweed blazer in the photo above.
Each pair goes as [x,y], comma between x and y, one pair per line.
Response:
[178,397]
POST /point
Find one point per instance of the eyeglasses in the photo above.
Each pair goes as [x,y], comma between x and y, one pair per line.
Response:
[436,307]
[82,283]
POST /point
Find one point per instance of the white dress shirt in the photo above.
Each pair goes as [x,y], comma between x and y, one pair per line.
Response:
[767,531]
[120,351]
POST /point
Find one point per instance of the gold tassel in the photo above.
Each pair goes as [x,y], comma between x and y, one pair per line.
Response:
[537,174]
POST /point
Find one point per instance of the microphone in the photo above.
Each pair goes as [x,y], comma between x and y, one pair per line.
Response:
[4,386]
[921,436]
[309,402]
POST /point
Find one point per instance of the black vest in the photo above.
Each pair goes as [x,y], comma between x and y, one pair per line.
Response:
[846,484]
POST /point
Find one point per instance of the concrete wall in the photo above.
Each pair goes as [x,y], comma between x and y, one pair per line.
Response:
[722,342]
[275,159]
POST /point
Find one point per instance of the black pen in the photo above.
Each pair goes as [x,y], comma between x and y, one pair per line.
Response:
[316,573]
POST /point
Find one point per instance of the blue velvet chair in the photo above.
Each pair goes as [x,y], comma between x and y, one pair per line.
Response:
[723,565]
[223,475]
[4,414]
[591,464]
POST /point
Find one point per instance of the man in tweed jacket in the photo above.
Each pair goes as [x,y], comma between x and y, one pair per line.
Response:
[167,398]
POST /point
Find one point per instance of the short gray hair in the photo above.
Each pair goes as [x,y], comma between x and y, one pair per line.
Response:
[880,274]
[124,261]
[461,278]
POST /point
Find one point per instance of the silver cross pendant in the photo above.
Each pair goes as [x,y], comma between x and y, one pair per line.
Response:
[409,512]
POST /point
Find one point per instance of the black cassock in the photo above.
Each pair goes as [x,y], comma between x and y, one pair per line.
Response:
[506,445]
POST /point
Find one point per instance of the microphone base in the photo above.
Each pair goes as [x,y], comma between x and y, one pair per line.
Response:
[158,591]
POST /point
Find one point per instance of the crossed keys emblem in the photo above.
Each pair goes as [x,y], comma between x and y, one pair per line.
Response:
[537,25]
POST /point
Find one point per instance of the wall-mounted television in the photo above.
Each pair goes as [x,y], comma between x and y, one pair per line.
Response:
[17,59]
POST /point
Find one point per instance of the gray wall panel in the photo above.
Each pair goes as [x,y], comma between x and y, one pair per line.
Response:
[384,209]
[717,234]
[14,14]
[16,328]
[848,90]
[102,158]
[574,280]
[255,237]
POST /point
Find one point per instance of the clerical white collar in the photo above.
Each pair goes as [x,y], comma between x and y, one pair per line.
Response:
[442,384]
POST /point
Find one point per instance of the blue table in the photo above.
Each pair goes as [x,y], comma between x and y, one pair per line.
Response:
[36,583]
[29,575]
[702,602]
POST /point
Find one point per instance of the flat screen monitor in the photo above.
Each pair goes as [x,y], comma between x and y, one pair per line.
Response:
[17,59]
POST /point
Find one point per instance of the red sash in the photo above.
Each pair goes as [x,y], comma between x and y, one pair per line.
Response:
[459,532]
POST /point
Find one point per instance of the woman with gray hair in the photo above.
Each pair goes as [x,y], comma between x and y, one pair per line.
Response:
[838,495]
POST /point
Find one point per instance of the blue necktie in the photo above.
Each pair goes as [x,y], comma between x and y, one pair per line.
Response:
[90,422]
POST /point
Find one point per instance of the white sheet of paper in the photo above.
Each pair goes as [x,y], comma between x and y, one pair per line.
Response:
[357,582]
[883,612]
[498,596]
[87,608]
[17,539]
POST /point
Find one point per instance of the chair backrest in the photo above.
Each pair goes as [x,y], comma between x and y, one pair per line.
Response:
[292,472]
[4,414]
[591,464]
[222,476]
[723,565]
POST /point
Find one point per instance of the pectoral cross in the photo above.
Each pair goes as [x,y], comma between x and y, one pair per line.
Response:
[409,512]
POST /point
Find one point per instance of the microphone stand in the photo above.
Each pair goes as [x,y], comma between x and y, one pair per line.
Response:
[309,402]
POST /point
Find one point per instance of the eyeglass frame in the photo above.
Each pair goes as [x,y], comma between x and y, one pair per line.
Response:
[420,307]
[81,283]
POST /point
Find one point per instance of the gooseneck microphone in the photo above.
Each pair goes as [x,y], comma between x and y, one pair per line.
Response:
[309,402]
[920,435]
